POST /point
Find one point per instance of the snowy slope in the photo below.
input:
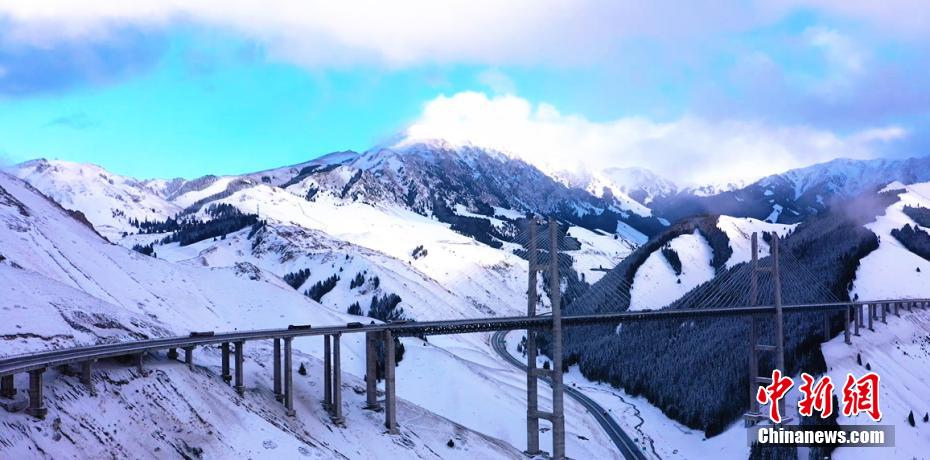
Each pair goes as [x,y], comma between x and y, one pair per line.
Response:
[71,287]
[656,285]
[458,277]
[891,270]
[897,351]
[599,252]
[740,229]
[106,199]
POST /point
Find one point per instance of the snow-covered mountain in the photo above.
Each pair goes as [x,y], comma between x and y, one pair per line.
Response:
[347,251]
[64,285]
[425,230]
[795,195]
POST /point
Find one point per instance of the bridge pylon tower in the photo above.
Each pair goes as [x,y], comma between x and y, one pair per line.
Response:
[756,347]
[557,416]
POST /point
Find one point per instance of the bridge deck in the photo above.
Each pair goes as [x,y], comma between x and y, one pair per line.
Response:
[28,362]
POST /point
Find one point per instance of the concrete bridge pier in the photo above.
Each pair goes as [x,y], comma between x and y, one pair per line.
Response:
[884,308]
[240,388]
[327,373]
[225,372]
[288,378]
[871,317]
[857,318]
[189,357]
[87,368]
[846,321]
[336,411]
[7,389]
[909,308]
[139,357]
[826,326]
[390,397]
[278,395]
[859,314]
[371,372]
[36,406]
[172,353]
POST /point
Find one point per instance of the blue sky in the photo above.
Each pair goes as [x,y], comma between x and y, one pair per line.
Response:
[156,90]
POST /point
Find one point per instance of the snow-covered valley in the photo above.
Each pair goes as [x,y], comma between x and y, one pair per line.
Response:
[311,255]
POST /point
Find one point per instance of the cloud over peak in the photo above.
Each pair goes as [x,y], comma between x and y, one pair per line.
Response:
[689,150]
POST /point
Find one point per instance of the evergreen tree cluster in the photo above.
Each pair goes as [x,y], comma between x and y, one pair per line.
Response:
[418,252]
[296,279]
[321,288]
[148,249]
[355,309]
[224,219]
[357,281]
[476,227]
[385,308]
[672,257]
[914,239]
[918,214]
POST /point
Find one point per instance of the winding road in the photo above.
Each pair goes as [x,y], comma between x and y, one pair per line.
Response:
[624,444]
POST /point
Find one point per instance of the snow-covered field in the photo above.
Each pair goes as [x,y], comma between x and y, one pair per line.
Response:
[656,284]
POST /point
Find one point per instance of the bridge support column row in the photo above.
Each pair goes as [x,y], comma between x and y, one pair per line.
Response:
[87,368]
[896,308]
[332,377]
[224,347]
[288,378]
[390,396]
[884,308]
[371,372]
[7,389]
[240,388]
[36,406]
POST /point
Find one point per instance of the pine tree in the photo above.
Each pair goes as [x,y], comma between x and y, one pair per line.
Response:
[858,359]
[927,417]
[910,418]
[302,370]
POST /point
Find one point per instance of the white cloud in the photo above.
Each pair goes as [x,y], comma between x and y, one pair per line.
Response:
[396,33]
[689,151]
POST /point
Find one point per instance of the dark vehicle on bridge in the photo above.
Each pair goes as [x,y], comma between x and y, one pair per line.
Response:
[354,325]
[203,334]
[299,327]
